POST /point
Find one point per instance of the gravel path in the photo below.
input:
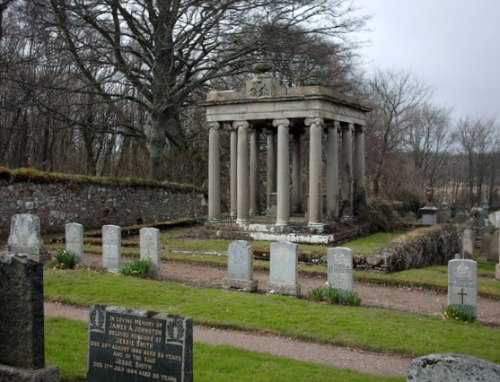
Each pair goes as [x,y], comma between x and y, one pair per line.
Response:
[405,299]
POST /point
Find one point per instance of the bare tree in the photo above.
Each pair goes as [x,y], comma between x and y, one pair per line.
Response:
[166,50]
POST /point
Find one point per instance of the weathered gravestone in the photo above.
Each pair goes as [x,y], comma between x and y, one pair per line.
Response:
[240,266]
[452,368]
[150,248]
[74,239]
[25,237]
[111,247]
[340,273]
[468,241]
[137,346]
[462,284]
[22,346]
[283,268]
[490,244]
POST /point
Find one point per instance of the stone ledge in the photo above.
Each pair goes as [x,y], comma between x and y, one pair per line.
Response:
[250,285]
[13,374]
[285,289]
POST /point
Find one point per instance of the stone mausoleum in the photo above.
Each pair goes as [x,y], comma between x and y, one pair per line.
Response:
[331,123]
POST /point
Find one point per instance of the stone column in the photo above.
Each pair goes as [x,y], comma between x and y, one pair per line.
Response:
[242,169]
[347,167]
[214,171]
[271,167]
[359,165]
[297,173]
[283,169]
[332,170]
[254,172]
[315,170]
[233,171]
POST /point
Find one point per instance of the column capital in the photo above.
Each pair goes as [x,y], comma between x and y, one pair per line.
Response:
[359,128]
[348,126]
[319,122]
[241,124]
[269,131]
[281,122]
[213,125]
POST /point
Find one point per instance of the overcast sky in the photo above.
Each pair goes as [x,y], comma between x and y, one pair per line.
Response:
[451,45]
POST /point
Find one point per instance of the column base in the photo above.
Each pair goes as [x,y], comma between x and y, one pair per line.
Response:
[246,285]
[315,227]
[46,374]
[285,289]
[241,222]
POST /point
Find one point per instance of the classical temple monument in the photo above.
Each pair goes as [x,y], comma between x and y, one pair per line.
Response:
[334,123]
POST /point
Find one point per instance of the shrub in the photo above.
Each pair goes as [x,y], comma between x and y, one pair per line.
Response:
[380,215]
[458,313]
[136,268]
[335,296]
[64,260]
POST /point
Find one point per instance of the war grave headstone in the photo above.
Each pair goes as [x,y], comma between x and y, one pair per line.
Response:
[150,248]
[25,238]
[240,266]
[74,239]
[340,268]
[462,284]
[452,367]
[22,345]
[137,346]
[111,247]
[283,268]
[468,243]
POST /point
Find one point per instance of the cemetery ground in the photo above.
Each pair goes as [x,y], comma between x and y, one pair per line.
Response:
[189,285]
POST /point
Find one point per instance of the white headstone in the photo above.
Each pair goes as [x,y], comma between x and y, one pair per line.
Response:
[468,243]
[240,266]
[497,219]
[284,273]
[74,239]
[340,269]
[462,283]
[150,248]
[111,247]
[25,237]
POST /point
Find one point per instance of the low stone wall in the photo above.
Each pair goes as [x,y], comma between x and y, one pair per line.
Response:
[432,245]
[60,199]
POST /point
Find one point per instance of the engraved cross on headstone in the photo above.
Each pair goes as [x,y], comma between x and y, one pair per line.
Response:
[462,294]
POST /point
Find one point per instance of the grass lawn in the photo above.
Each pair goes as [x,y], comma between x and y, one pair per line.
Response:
[66,347]
[366,328]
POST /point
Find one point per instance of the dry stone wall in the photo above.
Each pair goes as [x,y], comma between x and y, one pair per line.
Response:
[94,205]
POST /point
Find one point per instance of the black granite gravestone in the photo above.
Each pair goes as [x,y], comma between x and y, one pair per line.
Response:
[22,322]
[129,345]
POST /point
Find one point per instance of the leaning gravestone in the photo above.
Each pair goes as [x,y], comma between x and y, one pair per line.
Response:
[240,266]
[150,248]
[452,368]
[137,346]
[111,247]
[22,346]
[74,239]
[25,237]
[340,274]
[283,273]
[462,284]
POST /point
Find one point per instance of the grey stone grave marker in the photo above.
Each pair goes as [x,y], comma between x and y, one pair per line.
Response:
[74,239]
[240,266]
[22,346]
[25,237]
[283,273]
[340,272]
[462,284]
[451,367]
[111,247]
[137,346]
[150,248]
[468,243]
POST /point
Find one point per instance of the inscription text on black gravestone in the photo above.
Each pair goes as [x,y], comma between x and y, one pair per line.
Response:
[133,346]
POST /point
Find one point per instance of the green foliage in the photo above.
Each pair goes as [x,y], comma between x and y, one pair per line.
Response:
[67,346]
[136,268]
[458,313]
[335,296]
[64,260]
